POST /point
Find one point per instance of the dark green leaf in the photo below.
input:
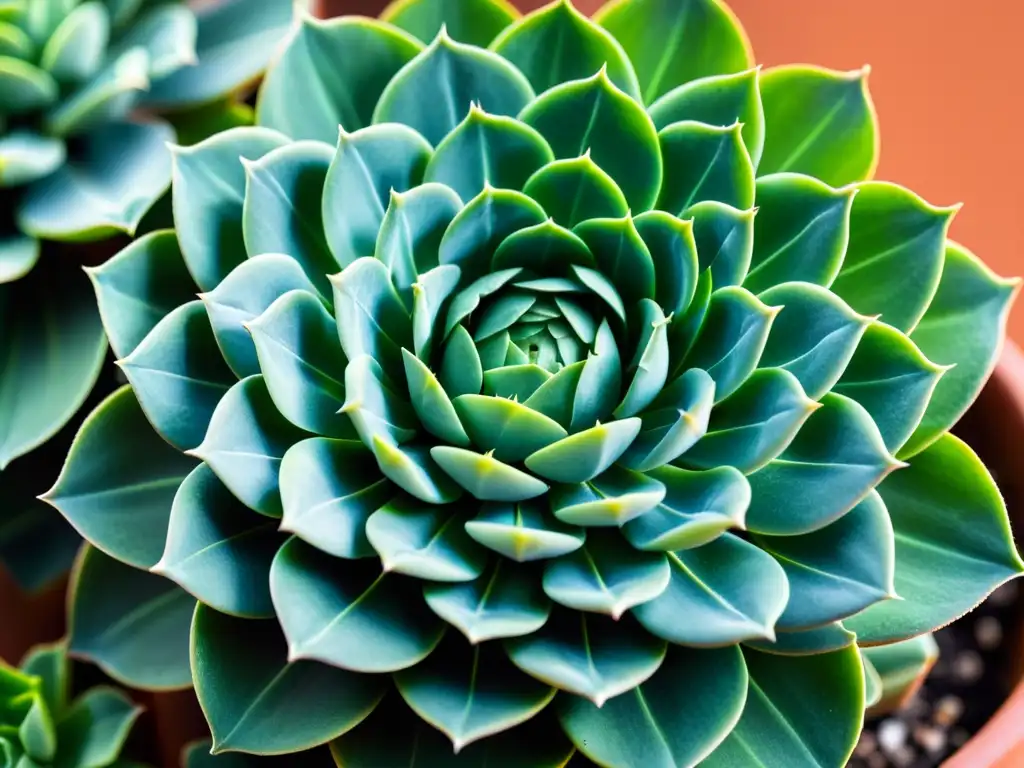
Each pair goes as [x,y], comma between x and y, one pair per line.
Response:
[623,257]
[575,190]
[704,163]
[315,86]
[26,87]
[476,22]
[824,639]
[132,624]
[953,543]
[725,241]
[670,242]
[95,728]
[432,404]
[258,701]
[119,481]
[350,615]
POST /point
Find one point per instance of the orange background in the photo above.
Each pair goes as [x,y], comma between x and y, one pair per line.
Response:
[946,81]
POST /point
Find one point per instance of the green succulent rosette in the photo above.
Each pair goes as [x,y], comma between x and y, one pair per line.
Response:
[582,395]
[42,727]
[83,158]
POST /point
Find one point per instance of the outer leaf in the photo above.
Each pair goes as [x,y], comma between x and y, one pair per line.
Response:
[728,589]
[208,217]
[120,477]
[900,669]
[505,602]
[963,327]
[836,459]
[297,345]
[593,116]
[609,500]
[453,74]
[804,711]
[471,693]
[178,375]
[282,212]
[328,489]
[953,543]
[117,175]
[53,350]
[300,100]
[476,22]
[352,617]
[245,443]
[890,377]
[675,718]
[588,656]
[672,43]
[819,122]
[25,157]
[51,665]
[235,41]
[138,287]
[814,337]
[556,44]
[801,231]
[368,166]
[487,150]
[721,100]
[257,701]
[26,88]
[894,259]
[697,509]
[95,728]
[838,570]
[134,625]
[606,576]
[217,549]
[704,163]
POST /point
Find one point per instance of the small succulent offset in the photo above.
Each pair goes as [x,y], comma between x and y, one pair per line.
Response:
[40,727]
[583,395]
[80,161]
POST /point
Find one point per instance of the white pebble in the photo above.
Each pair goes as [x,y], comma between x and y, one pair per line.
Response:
[988,633]
[948,710]
[892,734]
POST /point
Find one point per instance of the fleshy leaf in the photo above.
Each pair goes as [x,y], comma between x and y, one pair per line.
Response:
[584,455]
[650,366]
[837,570]
[18,255]
[674,718]
[217,549]
[485,477]
[348,614]
[820,122]
[476,22]
[120,476]
[328,490]
[26,87]
[275,706]
[117,175]
[901,668]
[963,327]
[208,217]
[589,656]
[434,408]
[594,117]
[556,44]
[728,589]
[725,241]
[507,428]
[704,163]
[622,256]
[245,442]
[452,74]
[894,258]
[524,531]
[608,500]
[298,97]
[673,250]
[95,728]
[471,692]
[506,601]
[606,576]
[424,541]
[698,508]
[25,157]
[132,624]
[804,711]
[179,376]
[824,639]
[296,341]
[836,459]
[574,190]
[718,100]
[368,165]
[953,543]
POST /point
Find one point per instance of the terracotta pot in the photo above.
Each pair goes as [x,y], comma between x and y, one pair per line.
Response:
[995,429]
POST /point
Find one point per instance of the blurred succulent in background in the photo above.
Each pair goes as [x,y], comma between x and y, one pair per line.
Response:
[507,417]
[40,726]
[82,159]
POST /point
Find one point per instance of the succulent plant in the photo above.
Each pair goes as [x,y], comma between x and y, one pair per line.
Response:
[506,426]
[41,727]
[82,158]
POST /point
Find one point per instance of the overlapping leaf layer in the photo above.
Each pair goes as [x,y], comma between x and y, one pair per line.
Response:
[40,727]
[505,416]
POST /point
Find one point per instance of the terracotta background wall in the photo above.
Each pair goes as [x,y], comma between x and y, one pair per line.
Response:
[947,85]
